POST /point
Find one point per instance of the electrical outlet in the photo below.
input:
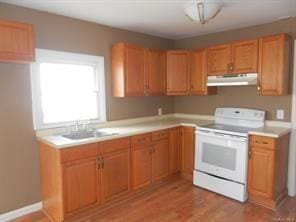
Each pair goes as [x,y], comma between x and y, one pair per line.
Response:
[159,111]
[280,114]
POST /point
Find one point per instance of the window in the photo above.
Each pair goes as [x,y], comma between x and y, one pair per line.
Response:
[67,87]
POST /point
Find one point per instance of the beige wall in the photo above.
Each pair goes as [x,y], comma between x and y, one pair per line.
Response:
[236,96]
[19,166]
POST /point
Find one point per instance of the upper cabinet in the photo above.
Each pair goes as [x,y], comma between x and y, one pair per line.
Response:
[198,73]
[155,72]
[235,58]
[16,42]
[128,70]
[219,59]
[178,62]
[137,71]
[244,56]
[274,64]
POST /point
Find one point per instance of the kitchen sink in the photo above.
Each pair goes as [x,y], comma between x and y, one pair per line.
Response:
[88,134]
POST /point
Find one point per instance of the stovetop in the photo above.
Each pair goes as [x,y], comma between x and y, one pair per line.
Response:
[227,129]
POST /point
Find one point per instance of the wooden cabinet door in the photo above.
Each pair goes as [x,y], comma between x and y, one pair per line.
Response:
[187,148]
[160,160]
[134,70]
[273,65]
[115,173]
[155,77]
[244,56]
[141,166]
[198,73]
[178,72]
[174,150]
[16,42]
[81,180]
[219,58]
[261,172]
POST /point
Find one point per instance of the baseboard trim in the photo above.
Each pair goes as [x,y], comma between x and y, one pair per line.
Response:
[21,212]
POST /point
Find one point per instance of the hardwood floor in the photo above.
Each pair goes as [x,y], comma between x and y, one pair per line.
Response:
[181,201]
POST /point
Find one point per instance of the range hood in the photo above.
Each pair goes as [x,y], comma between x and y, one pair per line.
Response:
[233,80]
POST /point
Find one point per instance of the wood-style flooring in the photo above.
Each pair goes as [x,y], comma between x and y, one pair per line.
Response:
[180,201]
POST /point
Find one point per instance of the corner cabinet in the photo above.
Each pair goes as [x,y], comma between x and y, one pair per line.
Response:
[274,65]
[198,73]
[178,72]
[17,42]
[267,170]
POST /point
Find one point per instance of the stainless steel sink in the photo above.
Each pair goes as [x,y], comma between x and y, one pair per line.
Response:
[87,134]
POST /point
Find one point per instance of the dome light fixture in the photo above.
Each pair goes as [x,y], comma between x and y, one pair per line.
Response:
[202,12]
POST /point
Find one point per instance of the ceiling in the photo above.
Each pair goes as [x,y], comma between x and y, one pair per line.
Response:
[165,18]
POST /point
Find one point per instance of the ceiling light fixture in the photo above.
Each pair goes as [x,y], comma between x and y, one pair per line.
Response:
[201,12]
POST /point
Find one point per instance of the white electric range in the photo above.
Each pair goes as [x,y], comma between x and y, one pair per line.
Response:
[221,151]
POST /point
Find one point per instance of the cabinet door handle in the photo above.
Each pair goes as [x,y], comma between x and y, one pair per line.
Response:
[99,161]
[259,87]
[250,154]
[231,67]
[103,162]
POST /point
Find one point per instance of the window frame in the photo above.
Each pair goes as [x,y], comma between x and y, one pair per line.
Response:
[52,56]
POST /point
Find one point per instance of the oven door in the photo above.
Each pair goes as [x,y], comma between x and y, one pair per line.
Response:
[221,155]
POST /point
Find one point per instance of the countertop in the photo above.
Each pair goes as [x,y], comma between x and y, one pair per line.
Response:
[59,142]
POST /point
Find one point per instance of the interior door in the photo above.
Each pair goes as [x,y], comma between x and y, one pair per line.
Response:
[115,174]
[160,160]
[81,186]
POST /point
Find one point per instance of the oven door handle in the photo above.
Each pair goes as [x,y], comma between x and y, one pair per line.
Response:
[221,135]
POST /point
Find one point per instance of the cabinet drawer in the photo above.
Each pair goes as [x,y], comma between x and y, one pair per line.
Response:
[159,135]
[115,145]
[262,141]
[79,152]
[141,139]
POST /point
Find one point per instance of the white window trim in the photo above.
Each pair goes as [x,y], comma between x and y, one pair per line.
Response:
[43,55]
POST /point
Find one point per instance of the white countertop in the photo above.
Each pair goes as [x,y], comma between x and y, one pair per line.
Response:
[59,142]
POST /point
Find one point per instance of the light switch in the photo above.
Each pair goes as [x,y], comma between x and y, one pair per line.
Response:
[159,111]
[280,114]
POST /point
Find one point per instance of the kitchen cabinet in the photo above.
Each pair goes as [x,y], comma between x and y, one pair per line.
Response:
[115,174]
[160,155]
[81,184]
[198,73]
[178,75]
[238,57]
[244,56]
[150,158]
[174,150]
[128,70]
[274,65]
[141,161]
[187,151]
[219,58]
[16,42]
[267,170]
[155,83]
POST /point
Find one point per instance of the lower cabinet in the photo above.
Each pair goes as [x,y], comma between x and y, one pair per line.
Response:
[174,150]
[81,184]
[187,151]
[150,158]
[267,170]
[115,174]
